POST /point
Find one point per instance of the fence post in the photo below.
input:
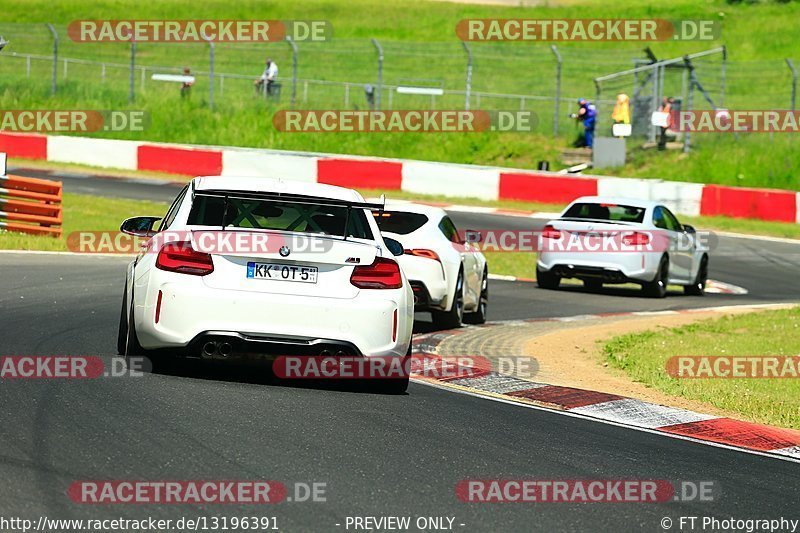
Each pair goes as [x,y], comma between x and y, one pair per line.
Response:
[722,79]
[557,102]
[689,103]
[790,63]
[55,57]
[597,95]
[468,88]
[210,72]
[294,68]
[132,73]
[653,102]
[380,73]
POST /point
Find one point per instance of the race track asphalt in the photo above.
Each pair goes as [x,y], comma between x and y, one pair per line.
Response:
[378,455]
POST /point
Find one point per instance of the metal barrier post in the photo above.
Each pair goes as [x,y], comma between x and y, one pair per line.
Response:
[132,72]
[380,73]
[790,63]
[55,57]
[294,68]
[210,72]
[468,88]
[557,101]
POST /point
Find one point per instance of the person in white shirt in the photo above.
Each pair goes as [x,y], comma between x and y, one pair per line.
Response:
[269,77]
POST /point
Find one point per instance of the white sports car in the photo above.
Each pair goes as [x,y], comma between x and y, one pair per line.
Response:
[448,273]
[619,240]
[267,267]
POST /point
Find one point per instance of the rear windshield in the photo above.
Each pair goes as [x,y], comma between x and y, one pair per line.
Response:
[276,215]
[400,222]
[611,212]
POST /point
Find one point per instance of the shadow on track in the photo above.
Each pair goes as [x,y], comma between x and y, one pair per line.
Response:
[256,373]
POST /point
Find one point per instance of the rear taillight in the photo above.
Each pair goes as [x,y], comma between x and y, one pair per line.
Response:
[181,257]
[421,252]
[636,239]
[382,274]
[549,232]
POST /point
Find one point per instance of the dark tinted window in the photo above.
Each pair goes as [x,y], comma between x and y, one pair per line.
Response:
[662,218]
[283,216]
[672,222]
[399,222]
[611,212]
[449,230]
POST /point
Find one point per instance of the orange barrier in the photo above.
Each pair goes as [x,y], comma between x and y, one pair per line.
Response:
[30,205]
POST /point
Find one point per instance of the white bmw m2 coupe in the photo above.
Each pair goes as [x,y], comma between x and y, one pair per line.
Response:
[243,266]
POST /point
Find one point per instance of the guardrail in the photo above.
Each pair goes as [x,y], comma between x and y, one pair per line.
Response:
[30,205]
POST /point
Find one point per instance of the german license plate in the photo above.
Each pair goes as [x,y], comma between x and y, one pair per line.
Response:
[281,272]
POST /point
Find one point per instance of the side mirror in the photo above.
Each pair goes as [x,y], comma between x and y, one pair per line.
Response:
[689,229]
[394,246]
[139,226]
[471,236]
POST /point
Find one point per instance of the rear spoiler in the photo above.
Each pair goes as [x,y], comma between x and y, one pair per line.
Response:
[296,198]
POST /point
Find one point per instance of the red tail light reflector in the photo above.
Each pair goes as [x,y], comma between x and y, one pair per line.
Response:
[158,306]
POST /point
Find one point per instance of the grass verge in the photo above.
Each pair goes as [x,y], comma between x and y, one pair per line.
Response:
[643,357]
[83,213]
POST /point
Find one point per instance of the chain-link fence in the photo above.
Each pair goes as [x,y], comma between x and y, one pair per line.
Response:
[39,59]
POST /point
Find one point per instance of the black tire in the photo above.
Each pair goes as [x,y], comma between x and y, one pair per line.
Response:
[698,288]
[132,346]
[453,318]
[592,284]
[547,280]
[390,385]
[658,287]
[479,316]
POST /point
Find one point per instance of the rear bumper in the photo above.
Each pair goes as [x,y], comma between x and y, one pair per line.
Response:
[190,310]
[618,267]
[423,300]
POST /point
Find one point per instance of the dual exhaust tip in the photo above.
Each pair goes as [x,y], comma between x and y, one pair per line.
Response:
[220,348]
[328,353]
[224,349]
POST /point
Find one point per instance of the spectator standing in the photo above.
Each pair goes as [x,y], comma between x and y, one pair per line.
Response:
[665,107]
[622,110]
[587,113]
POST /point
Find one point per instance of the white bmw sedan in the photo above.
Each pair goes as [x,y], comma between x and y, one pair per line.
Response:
[618,240]
[448,273]
[242,266]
